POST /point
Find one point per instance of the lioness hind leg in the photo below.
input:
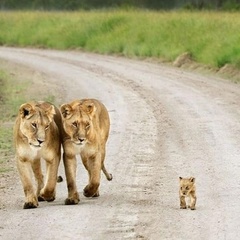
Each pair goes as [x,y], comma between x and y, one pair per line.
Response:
[48,192]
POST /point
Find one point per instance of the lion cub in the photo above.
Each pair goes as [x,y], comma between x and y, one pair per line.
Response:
[187,190]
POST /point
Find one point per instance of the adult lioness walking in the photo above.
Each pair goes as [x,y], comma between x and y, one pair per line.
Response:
[37,134]
[87,124]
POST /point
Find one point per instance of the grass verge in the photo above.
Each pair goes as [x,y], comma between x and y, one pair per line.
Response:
[212,38]
[11,93]
[8,101]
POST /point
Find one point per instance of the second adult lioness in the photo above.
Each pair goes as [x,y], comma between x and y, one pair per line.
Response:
[86,123]
[37,134]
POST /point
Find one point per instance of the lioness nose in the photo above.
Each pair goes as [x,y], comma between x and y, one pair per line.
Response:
[81,139]
[40,141]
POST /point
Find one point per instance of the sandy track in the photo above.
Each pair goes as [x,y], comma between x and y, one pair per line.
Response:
[165,123]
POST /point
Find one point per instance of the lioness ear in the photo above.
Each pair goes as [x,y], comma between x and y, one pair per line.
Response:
[66,110]
[26,110]
[50,111]
[192,179]
[91,109]
[180,178]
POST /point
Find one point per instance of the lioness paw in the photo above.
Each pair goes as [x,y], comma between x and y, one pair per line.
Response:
[91,190]
[41,199]
[96,194]
[47,195]
[71,201]
[29,205]
[183,207]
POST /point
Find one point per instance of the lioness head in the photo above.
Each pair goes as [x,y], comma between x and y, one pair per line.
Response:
[77,120]
[186,185]
[35,119]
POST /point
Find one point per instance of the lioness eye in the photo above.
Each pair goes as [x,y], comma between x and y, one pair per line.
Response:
[34,125]
[187,188]
[47,127]
[87,126]
[74,124]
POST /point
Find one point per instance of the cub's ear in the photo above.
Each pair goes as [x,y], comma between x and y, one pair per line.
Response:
[50,111]
[66,111]
[26,110]
[192,179]
[180,178]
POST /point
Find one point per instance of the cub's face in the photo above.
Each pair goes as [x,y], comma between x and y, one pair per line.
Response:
[186,185]
[35,123]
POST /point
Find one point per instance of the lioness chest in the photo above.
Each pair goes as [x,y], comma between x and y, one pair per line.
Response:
[31,153]
[88,149]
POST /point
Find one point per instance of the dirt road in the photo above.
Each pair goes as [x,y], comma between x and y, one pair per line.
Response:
[165,123]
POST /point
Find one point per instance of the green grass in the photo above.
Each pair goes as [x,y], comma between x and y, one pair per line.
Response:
[11,96]
[212,38]
[11,93]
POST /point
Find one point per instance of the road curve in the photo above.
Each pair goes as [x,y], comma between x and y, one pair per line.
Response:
[165,123]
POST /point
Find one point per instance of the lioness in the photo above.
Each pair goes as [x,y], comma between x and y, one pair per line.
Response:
[37,133]
[187,189]
[86,123]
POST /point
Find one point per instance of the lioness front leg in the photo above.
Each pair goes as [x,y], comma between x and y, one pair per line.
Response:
[24,168]
[49,190]
[36,166]
[70,166]
[94,172]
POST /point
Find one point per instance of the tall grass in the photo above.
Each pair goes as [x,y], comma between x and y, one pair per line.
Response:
[11,95]
[212,38]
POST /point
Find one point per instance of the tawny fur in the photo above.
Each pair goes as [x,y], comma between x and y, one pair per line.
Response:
[86,124]
[187,190]
[37,133]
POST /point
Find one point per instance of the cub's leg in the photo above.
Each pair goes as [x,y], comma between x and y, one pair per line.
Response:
[49,190]
[36,167]
[25,170]
[93,166]
[70,166]
[193,201]
[183,202]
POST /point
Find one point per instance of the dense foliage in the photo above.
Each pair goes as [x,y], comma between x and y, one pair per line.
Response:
[89,4]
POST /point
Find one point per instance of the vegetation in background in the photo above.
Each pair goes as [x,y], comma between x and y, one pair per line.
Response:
[11,97]
[96,4]
[212,38]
